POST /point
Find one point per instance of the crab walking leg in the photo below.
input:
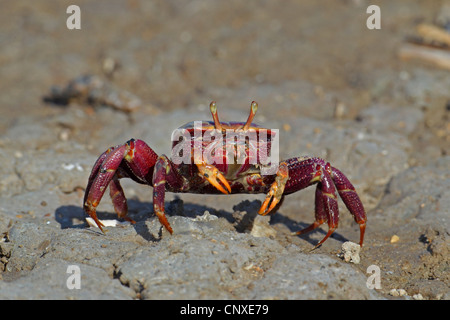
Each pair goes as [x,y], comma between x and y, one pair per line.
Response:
[276,189]
[351,199]
[326,208]
[320,215]
[104,171]
[306,171]
[135,159]
[94,172]
[162,175]
[118,199]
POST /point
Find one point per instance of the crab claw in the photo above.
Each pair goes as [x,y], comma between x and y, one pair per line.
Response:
[276,190]
[269,199]
[211,174]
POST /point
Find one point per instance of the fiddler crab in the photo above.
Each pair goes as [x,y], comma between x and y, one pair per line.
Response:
[235,161]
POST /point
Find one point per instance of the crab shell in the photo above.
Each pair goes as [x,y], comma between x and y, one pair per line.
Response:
[234,148]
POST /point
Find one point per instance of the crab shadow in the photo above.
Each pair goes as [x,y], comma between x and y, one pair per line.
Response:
[295,226]
[241,217]
[277,217]
[74,217]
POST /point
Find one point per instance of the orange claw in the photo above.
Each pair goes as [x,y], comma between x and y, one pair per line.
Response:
[276,190]
[211,174]
[269,197]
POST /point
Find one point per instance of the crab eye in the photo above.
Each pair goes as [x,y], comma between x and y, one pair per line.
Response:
[213,107]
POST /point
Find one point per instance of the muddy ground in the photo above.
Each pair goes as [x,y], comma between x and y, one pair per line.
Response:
[334,88]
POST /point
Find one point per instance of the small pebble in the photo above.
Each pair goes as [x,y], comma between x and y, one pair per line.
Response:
[262,228]
[418,297]
[287,127]
[398,292]
[350,252]
[402,292]
[394,293]
[206,217]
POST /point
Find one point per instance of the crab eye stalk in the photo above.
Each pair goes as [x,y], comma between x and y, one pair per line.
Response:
[253,108]
[213,108]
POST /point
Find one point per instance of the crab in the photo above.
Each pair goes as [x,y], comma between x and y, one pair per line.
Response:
[222,173]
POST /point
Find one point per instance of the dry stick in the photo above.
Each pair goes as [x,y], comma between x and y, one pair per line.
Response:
[437,57]
[429,31]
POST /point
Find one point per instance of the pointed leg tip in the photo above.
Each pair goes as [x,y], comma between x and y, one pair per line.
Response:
[362,228]
[129,220]
[101,226]
[93,214]
[168,227]
[311,227]
[163,220]
[315,247]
